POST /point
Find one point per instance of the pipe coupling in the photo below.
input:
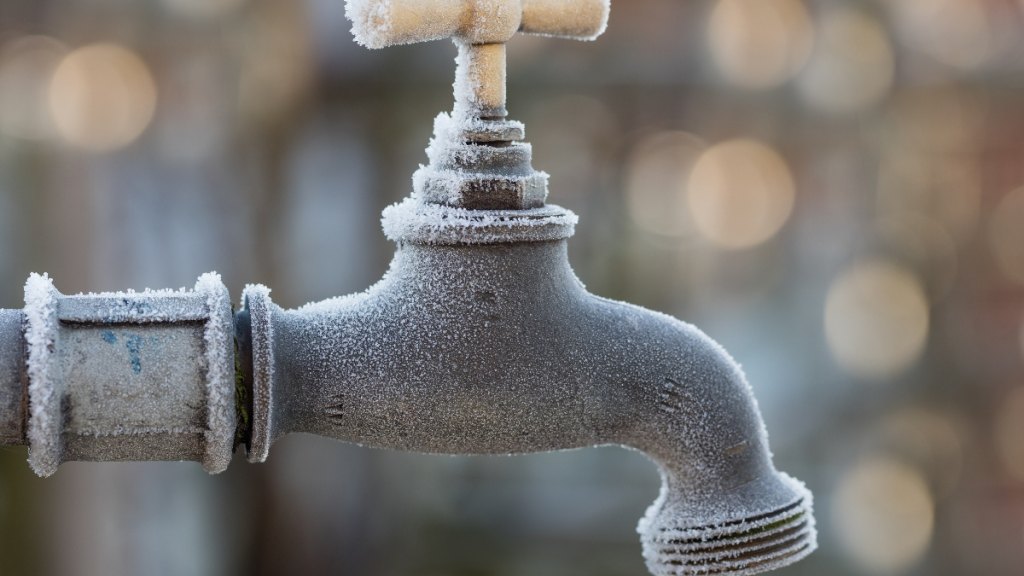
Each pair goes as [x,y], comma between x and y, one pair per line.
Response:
[130,376]
[412,221]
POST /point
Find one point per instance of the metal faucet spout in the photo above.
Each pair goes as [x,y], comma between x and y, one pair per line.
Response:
[499,349]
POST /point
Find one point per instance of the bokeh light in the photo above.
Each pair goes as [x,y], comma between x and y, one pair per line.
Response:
[924,245]
[26,66]
[1006,235]
[202,9]
[949,192]
[102,97]
[656,180]
[876,319]
[883,515]
[760,44]
[571,137]
[276,61]
[1020,339]
[740,194]
[1009,433]
[930,440]
[954,32]
[947,120]
[852,67]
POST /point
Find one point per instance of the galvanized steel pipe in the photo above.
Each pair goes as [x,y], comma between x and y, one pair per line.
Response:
[13,400]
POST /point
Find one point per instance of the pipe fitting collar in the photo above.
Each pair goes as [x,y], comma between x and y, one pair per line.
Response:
[417,222]
[256,303]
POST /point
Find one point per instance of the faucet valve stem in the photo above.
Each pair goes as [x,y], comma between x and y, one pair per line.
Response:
[478,159]
[480,28]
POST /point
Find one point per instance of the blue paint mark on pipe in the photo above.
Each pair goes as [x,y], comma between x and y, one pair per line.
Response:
[109,337]
[134,345]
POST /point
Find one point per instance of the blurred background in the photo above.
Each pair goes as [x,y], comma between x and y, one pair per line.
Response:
[833,189]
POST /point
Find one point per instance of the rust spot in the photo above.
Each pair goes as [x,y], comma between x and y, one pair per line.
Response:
[737,449]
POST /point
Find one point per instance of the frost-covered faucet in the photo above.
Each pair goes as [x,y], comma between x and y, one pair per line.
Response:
[479,340]
[477,158]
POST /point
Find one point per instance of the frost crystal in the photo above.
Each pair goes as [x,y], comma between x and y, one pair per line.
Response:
[44,409]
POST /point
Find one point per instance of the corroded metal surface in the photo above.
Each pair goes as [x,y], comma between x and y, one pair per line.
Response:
[130,376]
[12,368]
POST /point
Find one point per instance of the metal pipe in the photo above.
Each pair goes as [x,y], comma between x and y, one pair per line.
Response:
[12,378]
[130,376]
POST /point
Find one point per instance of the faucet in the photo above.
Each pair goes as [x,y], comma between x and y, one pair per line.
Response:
[479,339]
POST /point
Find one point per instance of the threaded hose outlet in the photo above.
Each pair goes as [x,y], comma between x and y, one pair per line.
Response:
[738,543]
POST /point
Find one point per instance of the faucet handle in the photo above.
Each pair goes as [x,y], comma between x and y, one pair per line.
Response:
[381,23]
[480,28]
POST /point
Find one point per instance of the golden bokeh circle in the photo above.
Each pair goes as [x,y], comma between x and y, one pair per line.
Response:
[760,44]
[740,193]
[102,97]
[884,515]
[1006,235]
[876,319]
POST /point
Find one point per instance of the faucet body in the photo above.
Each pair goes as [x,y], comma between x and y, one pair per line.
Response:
[498,348]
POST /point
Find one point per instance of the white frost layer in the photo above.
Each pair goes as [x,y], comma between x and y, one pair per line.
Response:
[45,308]
[446,128]
[370,24]
[450,135]
[447,186]
[256,298]
[380,23]
[44,421]
[219,336]
[480,77]
[458,165]
[480,28]
[731,545]
[132,292]
[575,19]
[417,222]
